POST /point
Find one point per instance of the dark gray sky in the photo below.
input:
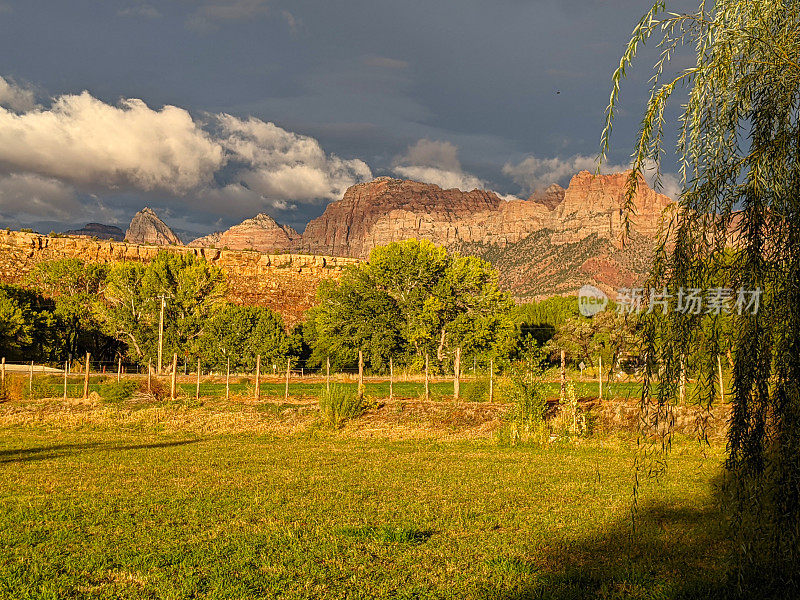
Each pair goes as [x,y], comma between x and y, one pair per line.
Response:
[279,106]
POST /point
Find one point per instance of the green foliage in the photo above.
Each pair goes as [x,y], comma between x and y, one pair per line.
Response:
[118,391]
[525,422]
[739,151]
[74,286]
[239,333]
[410,299]
[339,404]
[193,292]
[29,329]
[42,387]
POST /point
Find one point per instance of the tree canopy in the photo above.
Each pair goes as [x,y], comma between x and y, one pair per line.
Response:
[739,156]
[411,299]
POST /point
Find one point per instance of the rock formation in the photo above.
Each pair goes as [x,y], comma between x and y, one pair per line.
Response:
[147,228]
[286,283]
[260,233]
[388,210]
[99,231]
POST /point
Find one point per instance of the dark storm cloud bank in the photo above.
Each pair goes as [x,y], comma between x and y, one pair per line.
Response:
[505,94]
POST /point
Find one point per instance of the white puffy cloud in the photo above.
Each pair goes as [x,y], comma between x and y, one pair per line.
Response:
[16,97]
[534,173]
[85,141]
[435,162]
[283,166]
[25,195]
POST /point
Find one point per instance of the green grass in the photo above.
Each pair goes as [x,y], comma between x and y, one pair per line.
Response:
[101,513]
[439,390]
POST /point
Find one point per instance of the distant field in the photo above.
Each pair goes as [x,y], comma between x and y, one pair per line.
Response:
[119,512]
[312,387]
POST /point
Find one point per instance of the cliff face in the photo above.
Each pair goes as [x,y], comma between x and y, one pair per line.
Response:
[388,210]
[285,283]
[147,228]
[260,233]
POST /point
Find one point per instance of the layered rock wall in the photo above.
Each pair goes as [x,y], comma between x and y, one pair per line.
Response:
[285,283]
[388,210]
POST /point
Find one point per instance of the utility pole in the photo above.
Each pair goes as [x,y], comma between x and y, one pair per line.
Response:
[161,333]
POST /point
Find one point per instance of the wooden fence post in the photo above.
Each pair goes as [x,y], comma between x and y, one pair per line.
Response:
[149,373]
[600,378]
[563,396]
[721,386]
[174,374]
[328,374]
[258,376]
[360,373]
[391,379]
[427,388]
[30,380]
[66,370]
[197,392]
[491,379]
[86,378]
[3,373]
[457,373]
[228,380]
[119,369]
[288,370]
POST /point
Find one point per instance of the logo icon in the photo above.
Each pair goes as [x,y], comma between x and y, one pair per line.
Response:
[591,300]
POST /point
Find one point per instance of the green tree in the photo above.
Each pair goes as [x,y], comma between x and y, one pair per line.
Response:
[75,285]
[411,299]
[739,152]
[15,329]
[28,327]
[239,333]
[193,291]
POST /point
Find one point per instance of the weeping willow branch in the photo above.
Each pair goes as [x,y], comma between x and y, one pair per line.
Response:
[736,226]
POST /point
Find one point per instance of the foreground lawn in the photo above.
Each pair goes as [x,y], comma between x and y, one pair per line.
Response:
[129,514]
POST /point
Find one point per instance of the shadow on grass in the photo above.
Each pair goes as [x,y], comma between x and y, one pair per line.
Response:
[675,553]
[59,450]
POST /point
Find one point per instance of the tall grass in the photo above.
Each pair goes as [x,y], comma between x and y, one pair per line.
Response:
[339,404]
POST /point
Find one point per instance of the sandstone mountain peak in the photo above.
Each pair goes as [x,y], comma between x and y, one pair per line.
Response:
[260,233]
[147,228]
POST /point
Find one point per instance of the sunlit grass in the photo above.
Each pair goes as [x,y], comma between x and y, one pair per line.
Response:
[100,513]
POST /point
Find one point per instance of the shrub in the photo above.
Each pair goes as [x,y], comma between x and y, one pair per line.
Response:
[118,391]
[525,422]
[571,419]
[339,404]
[43,387]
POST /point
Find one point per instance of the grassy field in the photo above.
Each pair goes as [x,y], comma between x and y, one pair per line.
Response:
[126,512]
[312,387]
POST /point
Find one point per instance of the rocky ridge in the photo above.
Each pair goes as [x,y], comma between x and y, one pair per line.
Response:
[260,233]
[147,228]
[99,231]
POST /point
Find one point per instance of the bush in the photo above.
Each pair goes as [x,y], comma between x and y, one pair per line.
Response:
[43,387]
[478,390]
[525,422]
[571,419]
[118,391]
[339,404]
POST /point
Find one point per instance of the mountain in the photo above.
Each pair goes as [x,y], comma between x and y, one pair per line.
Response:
[147,228]
[260,233]
[98,230]
[553,242]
